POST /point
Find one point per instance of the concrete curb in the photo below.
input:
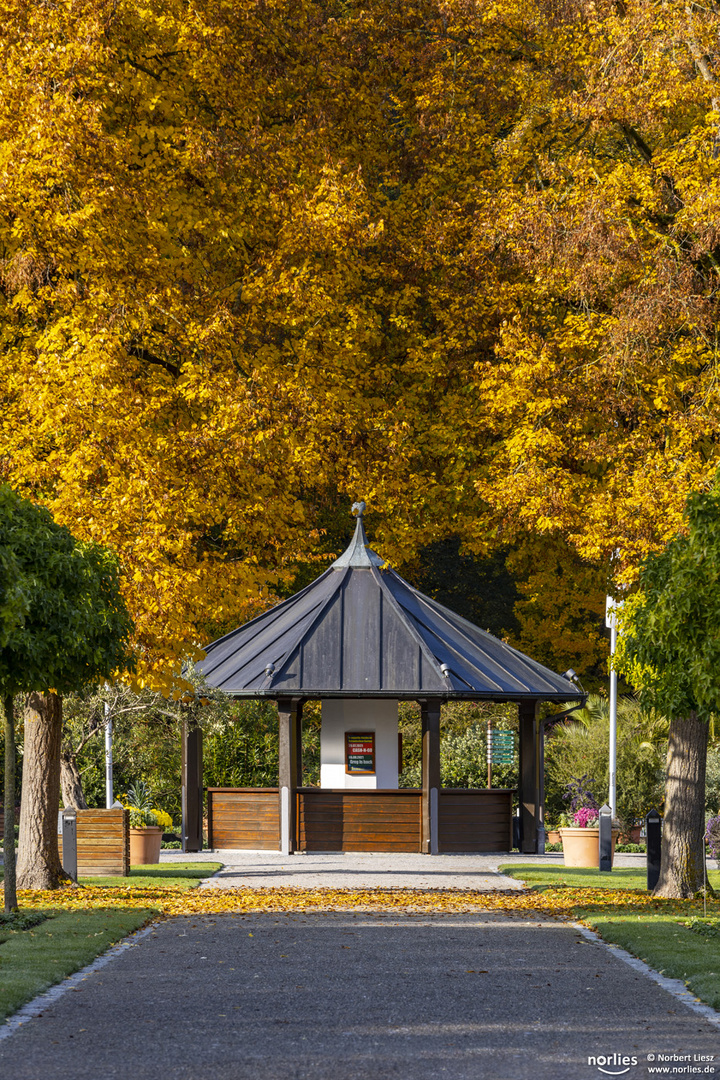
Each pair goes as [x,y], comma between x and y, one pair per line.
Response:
[676,987]
[37,1006]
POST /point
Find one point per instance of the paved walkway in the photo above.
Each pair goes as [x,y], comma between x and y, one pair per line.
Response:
[358,997]
[260,869]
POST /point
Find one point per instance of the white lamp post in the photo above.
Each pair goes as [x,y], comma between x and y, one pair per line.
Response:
[611,607]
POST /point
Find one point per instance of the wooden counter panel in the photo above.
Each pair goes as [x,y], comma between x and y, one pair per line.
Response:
[243,818]
[359,820]
[475,820]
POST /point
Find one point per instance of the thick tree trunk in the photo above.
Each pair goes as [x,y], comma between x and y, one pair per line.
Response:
[683,846]
[38,858]
[71,782]
[9,807]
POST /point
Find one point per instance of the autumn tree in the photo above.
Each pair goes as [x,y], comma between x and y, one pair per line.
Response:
[74,629]
[457,258]
[670,649]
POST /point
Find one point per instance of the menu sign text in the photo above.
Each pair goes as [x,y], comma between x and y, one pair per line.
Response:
[360,752]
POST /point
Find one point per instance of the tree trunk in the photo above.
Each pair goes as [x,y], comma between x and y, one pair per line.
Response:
[683,847]
[71,782]
[39,864]
[9,829]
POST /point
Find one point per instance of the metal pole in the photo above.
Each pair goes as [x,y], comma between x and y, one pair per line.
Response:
[109,797]
[612,794]
[489,752]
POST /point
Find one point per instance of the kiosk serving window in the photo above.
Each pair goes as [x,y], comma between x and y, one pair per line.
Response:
[360,752]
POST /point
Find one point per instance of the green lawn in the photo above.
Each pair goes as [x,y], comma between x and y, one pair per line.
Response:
[666,941]
[555,876]
[177,875]
[32,960]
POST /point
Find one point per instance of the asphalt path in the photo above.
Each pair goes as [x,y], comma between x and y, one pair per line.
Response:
[350,996]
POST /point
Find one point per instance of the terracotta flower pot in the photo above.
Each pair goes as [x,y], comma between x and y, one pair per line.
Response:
[145,845]
[553,836]
[581,847]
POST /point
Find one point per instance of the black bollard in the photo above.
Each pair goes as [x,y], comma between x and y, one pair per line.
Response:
[653,830]
[605,840]
[516,831]
[68,830]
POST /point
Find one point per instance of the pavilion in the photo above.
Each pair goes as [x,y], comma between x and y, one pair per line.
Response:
[360,639]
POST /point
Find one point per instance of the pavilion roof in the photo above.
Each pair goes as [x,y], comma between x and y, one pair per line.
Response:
[360,630]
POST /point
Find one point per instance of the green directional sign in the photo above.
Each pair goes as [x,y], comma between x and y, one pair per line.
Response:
[501,747]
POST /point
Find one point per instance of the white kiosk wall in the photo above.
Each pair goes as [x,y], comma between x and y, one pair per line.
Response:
[352,715]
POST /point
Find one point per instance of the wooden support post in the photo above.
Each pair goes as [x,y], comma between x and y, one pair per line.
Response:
[298,747]
[541,788]
[529,794]
[289,719]
[192,786]
[430,714]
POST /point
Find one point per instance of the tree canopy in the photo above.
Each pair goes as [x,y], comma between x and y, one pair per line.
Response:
[669,647]
[71,628]
[74,627]
[458,259]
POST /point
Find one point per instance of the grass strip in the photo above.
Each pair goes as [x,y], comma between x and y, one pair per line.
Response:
[171,875]
[33,960]
[557,876]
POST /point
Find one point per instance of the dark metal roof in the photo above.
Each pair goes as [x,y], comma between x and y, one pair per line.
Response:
[360,630]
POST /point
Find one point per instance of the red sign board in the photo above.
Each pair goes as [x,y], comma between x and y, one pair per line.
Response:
[360,752]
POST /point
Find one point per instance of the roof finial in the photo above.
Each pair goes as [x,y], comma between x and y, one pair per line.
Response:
[359,553]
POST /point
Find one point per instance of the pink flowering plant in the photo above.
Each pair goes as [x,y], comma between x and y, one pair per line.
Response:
[583,810]
[585,818]
[712,836]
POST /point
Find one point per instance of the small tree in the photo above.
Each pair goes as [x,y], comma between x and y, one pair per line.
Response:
[670,649]
[64,625]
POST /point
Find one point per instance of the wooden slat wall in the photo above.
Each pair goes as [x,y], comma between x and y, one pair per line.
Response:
[243,818]
[103,842]
[342,819]
[475,820]
[347,820]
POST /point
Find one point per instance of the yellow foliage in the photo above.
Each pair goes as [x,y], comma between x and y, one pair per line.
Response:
[458,259]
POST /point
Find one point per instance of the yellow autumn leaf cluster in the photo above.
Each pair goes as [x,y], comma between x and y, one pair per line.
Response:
[549,903]
[457,258]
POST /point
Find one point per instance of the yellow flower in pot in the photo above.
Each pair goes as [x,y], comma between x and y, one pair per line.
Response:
[147,825]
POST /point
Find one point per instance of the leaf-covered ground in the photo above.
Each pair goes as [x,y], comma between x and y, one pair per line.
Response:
[560,902]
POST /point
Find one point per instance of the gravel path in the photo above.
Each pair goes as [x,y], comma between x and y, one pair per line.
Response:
[260,869]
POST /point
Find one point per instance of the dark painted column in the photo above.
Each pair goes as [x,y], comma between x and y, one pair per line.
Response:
[541,788]
[298,747]
[192,786]
[529,792]
[288,722]
[430,714]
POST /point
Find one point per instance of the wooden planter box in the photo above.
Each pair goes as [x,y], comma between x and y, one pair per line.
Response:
[103,843]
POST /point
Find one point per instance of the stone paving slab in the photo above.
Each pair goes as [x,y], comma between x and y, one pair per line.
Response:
[351,996]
